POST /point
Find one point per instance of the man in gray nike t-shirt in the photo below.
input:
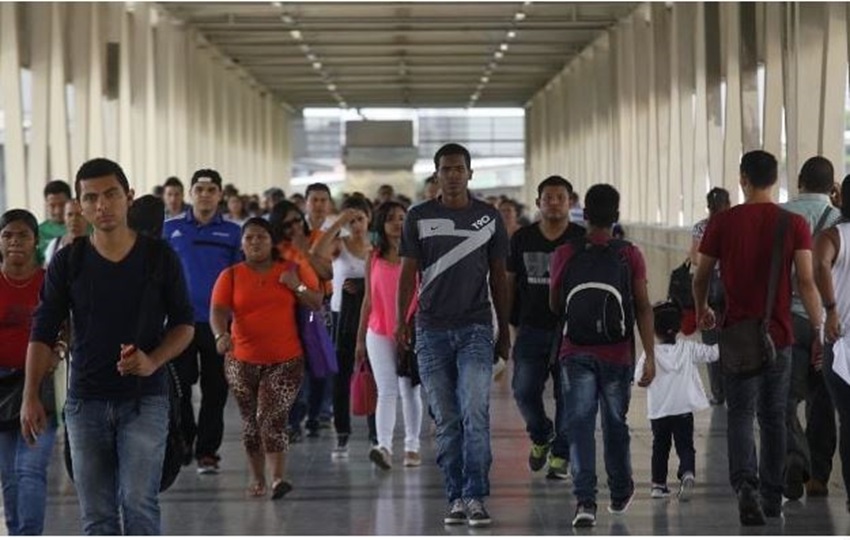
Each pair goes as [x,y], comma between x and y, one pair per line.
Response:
[453,243]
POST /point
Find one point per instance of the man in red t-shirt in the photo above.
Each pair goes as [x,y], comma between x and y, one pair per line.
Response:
[742,240]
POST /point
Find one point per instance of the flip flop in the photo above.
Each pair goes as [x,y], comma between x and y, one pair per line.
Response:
[257,489]
[280,488]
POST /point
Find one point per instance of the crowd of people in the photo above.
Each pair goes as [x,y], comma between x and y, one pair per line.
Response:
[228,292]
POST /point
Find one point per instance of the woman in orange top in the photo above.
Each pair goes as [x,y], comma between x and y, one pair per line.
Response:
[263,356]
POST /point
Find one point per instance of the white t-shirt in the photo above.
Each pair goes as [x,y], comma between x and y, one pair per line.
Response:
[677,387]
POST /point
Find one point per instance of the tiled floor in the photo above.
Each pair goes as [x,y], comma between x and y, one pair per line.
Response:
[353,497]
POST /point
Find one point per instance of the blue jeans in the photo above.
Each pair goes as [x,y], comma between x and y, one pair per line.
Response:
[117,448]
[764,395]
[456,368]
[588,383]
[531,371]
[23,472]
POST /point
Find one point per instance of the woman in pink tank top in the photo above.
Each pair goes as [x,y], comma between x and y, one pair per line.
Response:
[376,342]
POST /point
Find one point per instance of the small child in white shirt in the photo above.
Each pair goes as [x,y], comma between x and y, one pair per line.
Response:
[675,394]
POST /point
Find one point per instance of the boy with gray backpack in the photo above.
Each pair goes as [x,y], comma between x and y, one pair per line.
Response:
[598,285]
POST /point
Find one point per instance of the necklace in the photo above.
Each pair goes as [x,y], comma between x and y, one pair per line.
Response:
[17,285]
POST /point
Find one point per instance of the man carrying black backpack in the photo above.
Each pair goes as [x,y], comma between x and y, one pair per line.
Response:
[125,327]
[598,284]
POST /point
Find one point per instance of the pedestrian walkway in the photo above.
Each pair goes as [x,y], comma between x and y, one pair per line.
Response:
[352,497]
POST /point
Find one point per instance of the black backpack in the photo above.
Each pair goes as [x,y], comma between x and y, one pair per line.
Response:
[597,293]
[175,445]
[680,290]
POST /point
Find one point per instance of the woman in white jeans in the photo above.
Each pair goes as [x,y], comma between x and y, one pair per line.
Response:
[375,340]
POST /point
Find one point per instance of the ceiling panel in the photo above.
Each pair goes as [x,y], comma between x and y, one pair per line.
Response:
[419,54]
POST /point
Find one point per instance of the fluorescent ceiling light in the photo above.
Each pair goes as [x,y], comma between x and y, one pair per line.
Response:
[287,19]
[277,4]
[332,87]
[511,34]
[311,57]
[304,48]
[520,16]
[503,46]
[498,55]
[317,65]
[485,79]
[296,34]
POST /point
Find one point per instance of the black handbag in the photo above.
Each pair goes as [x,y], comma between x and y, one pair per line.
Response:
[408,363]
[746,347]
[11,397]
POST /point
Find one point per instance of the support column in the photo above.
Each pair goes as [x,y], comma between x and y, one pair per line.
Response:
[730,31]
[39,34]
[773,85]
[80,19]
[58,121]
[16,195]
[831,129]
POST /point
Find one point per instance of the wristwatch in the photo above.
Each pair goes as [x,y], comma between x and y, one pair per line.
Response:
[300,289]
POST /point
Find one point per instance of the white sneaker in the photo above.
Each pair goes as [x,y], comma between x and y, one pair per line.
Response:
[659,491]
[686,488]
[499,369]
[412,459]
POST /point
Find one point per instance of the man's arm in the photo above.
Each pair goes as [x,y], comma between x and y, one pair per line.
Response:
[406,289]
[826,249]
[512,284]
[806,286]
[499,292]
[646,330]
[33,416]
[704,314]
[49,316]
[693,254]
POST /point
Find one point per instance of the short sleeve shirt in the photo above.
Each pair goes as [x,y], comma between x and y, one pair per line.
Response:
[529,259]
[741,238]
[264,329]
[454,248]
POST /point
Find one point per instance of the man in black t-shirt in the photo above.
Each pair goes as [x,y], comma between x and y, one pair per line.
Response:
[528,280]
[126,324]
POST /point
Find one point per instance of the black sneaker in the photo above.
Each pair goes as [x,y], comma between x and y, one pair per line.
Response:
[772,509]
[476,513]
[749,508]
[455,513]
[619,506]
[585,515]
[538,456]
[794,484]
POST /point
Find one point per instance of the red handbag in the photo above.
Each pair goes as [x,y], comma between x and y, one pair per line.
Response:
[364,391]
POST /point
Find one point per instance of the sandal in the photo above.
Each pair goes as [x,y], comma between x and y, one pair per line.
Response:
[257,489]
[280,488]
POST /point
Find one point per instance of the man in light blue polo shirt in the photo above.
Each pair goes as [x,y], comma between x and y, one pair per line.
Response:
[206,244]
[810,451]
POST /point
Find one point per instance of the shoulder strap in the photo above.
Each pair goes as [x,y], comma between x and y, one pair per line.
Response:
[822,221]
[76,256]
[775,263]
[154,269]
